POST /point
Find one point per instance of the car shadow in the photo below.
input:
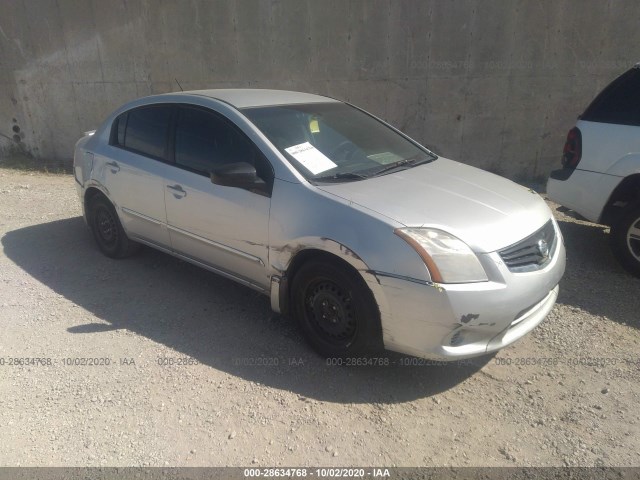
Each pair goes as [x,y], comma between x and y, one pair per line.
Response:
[594,281]
[211,319]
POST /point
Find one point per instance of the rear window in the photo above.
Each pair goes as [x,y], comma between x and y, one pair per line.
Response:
[144,130]
[619,102]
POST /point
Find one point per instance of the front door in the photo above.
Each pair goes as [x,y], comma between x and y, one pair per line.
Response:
[223,227]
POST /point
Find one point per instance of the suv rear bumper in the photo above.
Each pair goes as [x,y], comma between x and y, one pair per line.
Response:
[582,191]
[561,174]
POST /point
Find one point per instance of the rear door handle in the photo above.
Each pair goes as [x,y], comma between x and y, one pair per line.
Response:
[177,191]
[113,166]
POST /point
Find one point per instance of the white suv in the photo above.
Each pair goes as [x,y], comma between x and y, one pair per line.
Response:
[600,175]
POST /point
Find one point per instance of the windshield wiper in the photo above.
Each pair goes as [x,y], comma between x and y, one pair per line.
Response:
[401,163]
[342,175]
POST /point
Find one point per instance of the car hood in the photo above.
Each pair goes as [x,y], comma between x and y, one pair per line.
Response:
[486,211]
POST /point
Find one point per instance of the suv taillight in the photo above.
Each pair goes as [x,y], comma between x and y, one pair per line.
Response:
[572,152]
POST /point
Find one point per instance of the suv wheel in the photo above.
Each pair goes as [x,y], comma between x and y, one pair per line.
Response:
[625,239]
[335,310]
[107,230]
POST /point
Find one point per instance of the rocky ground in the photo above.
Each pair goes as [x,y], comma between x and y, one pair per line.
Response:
[184,368]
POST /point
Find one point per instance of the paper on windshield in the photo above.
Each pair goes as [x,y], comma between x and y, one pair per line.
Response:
[311,158]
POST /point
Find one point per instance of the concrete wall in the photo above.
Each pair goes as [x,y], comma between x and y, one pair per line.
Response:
[495,84]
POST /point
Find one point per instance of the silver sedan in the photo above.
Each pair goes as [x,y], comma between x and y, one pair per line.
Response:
[363,236]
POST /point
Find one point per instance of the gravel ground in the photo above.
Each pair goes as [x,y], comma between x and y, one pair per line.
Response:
[239,387]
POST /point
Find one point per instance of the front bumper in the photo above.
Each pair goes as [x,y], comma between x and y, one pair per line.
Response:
[458,321]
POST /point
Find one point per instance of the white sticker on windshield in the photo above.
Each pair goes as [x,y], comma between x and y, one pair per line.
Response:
[312,158]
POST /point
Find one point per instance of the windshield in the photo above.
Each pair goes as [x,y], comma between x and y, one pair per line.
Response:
[334,141]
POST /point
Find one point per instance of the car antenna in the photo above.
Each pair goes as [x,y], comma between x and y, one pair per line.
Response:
[179,84]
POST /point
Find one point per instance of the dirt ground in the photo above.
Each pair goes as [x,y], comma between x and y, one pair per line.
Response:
[150,361]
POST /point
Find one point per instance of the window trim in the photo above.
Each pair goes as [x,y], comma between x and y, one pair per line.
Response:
[169,156]
[113,137]
[224,119]
[115,126]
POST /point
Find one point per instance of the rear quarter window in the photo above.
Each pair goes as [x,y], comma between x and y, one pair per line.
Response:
[619,102]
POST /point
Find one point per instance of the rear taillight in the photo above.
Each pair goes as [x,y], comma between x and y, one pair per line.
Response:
[572,151]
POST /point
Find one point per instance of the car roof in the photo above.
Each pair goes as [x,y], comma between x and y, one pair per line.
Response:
[257,97]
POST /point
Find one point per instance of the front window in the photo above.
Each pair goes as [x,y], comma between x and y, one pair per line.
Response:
[335,142]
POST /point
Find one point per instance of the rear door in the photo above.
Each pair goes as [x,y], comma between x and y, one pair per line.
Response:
[134,170]
[222,227]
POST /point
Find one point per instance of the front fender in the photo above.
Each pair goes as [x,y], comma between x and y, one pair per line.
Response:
[283,257]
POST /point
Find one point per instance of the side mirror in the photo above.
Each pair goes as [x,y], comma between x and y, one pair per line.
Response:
[239,175]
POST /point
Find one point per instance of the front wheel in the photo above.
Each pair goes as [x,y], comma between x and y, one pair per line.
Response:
[335,310]
[625,239]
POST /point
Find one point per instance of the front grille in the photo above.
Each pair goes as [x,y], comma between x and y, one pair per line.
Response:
[532,253]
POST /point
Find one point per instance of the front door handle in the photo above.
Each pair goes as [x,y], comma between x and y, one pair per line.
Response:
[177,191]
[113,166]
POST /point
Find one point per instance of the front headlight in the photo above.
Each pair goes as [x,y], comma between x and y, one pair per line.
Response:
[448,258]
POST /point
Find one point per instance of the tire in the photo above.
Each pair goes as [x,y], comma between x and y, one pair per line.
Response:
[625,239]
[335,310]
[107,229]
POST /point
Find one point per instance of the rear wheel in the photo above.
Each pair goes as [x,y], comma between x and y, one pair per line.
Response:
[625,239]
[335,310]
[107,230]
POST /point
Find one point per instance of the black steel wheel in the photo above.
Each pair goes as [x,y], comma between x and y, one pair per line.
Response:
[107,229]
[335,310]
